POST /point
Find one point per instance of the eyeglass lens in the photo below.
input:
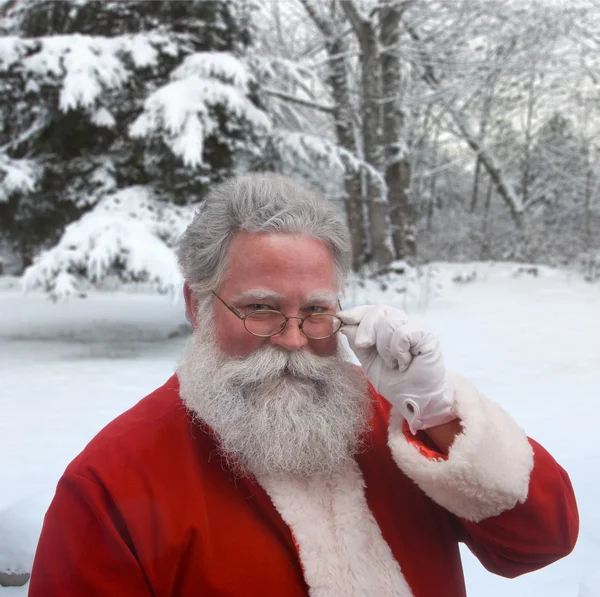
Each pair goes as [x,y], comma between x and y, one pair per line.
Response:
[269,323]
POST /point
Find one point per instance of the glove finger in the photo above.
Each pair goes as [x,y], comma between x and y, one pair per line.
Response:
[363,319]
[385,331]
[422,342]
[357,314]
[400,347]
[365,355]
[350,332]
[366,334]
[428,352]
[354,315]
[379,320]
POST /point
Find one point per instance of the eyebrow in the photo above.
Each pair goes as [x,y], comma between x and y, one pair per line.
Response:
[259,294]
[322,297]
[262,294]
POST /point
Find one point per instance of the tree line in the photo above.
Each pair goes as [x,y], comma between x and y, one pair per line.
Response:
[445,130]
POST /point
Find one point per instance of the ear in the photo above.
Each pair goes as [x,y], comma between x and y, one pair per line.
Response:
[191,305]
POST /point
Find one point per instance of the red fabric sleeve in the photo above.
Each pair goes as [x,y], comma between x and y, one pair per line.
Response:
[533,534]
[84,548]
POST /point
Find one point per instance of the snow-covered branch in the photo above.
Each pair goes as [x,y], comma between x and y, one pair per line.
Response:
[84,66]
[309,148]
[17,176]
[301,102]
[181,112]
[129,235]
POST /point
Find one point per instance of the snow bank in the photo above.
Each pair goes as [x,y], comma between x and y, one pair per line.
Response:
[20,527]
[527,336]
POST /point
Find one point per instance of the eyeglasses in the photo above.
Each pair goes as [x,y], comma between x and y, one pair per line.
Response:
[265,323]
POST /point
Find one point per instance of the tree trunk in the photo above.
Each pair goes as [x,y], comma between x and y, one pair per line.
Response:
[505,190]
[338,79]
[342,113]
[475,193]
[526,178]
[433,179]
[589,239]
[485,240]
[397,166]
[417,181]
[483,124]
[372,134]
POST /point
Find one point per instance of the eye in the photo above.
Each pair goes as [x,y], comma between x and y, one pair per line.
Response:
[316,309]
[259,307]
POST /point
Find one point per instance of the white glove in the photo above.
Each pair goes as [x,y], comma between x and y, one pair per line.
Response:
[403,360]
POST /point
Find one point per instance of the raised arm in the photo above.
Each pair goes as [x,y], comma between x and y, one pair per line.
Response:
[513,504]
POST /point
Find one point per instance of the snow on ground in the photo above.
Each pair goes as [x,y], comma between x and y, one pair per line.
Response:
[531,343]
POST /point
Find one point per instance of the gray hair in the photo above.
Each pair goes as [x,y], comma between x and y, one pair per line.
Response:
[264,202]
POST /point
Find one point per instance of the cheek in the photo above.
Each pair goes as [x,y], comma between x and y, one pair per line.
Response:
[233,339]
[326,348]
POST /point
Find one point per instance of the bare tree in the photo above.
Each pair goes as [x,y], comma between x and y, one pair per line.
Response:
[488,160]
[372,131]
[397,162]
[336,47]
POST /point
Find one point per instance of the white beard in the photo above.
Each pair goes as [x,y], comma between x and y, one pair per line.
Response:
[276,411]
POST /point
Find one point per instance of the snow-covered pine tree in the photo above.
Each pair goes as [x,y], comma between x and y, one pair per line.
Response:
[114,116]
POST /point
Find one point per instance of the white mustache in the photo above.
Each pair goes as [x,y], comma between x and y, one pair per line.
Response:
[272,362]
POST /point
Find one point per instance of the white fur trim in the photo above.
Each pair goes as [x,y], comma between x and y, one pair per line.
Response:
[341,547]
[488,467]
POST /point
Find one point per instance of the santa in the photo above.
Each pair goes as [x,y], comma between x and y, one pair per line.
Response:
[270,464]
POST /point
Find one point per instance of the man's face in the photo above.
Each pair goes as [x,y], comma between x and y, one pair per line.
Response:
[284,404]
[288,273]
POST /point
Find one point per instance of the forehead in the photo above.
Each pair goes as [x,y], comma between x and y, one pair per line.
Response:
[283,263]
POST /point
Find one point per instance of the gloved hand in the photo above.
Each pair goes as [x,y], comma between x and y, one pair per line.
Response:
[403,360]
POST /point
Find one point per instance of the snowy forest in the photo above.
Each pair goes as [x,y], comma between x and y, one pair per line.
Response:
[460,138]
[462,130]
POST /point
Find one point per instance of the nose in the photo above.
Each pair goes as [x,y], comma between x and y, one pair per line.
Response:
[291,338]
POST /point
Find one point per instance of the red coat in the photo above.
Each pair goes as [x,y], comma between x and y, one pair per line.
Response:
[149,510]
